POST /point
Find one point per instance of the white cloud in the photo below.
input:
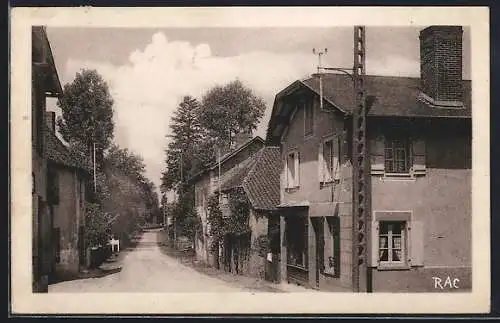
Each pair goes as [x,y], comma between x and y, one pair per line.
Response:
[148,89]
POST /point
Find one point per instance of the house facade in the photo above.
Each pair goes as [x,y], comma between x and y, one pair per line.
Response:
[419,141]
[207,182]
[44,83]
[256,185]
[67,178]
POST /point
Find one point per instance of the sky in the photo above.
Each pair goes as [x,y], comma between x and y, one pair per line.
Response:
[148,71]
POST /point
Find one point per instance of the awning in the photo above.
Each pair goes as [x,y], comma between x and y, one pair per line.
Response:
[293,204]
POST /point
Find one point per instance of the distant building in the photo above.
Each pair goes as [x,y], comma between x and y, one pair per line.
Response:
[44,83]
[207,182]
[419,141]
[257,181]
[67,176]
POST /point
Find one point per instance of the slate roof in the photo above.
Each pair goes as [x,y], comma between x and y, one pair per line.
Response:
[260,179]
[58,153]
[395,96]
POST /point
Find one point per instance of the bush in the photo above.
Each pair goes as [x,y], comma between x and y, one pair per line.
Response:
[97,227]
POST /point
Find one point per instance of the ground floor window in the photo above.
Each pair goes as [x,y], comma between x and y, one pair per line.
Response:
[296,236]
[392,242]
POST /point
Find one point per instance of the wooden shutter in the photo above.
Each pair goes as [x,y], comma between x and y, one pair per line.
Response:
[377,147]
[416,239]
[336,159]
[287,174]
[418,157]
[297,169]
[321,163]
[374,243]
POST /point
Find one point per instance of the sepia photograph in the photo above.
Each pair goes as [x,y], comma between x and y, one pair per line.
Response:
[314,160]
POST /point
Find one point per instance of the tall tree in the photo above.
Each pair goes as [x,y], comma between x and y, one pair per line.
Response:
[87,112]
[184,155]
[229,110]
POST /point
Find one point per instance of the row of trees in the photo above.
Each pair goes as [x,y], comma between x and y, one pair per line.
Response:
[199,129]
[124,196]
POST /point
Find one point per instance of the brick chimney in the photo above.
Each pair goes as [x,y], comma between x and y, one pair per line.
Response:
[441,65]
[50,118]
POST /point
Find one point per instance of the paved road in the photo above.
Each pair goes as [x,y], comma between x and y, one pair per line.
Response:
[147,269]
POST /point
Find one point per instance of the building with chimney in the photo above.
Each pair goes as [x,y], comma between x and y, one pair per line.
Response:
[44,83]
[68,174]
[419,141]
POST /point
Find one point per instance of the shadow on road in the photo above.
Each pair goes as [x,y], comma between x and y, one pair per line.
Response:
[110,266]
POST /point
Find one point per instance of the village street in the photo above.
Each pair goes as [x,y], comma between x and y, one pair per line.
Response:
[146,269]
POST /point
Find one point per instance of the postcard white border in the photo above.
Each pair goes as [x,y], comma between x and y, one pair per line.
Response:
[24,301]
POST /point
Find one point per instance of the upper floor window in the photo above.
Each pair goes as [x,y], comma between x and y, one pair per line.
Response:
[292,169]
[308,118]
[52,186]
[329,166]
[397,155]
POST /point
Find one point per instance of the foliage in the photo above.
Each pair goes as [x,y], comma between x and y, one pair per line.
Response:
[87,112]
[197,132]
[132,197]
[186,151]
[261,245]
[215,222]
[229,110]
[237,222]
[97,226]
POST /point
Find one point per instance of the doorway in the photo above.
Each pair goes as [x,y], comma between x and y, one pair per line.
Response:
[319,233]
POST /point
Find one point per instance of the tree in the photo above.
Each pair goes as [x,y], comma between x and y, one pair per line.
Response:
[229,110]
[186,153]
[87,113]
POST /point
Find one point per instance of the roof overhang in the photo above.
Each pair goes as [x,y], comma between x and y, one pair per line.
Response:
[43,60]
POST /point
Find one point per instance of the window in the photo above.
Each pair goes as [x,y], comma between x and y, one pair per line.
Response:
[392,242]
[292,170]
[52,186]
[308,118]
[329,166]
[397,155]
[297,237]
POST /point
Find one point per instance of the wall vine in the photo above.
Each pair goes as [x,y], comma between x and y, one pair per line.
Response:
[236,224]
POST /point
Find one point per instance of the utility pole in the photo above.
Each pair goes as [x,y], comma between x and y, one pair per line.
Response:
[361,274]
[360,163]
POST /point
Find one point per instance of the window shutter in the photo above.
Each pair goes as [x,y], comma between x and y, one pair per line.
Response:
[336,164]
[374,246]
[297,169]
[287,173]
[321,163]
[377,147]
[416,243]
[419,157]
